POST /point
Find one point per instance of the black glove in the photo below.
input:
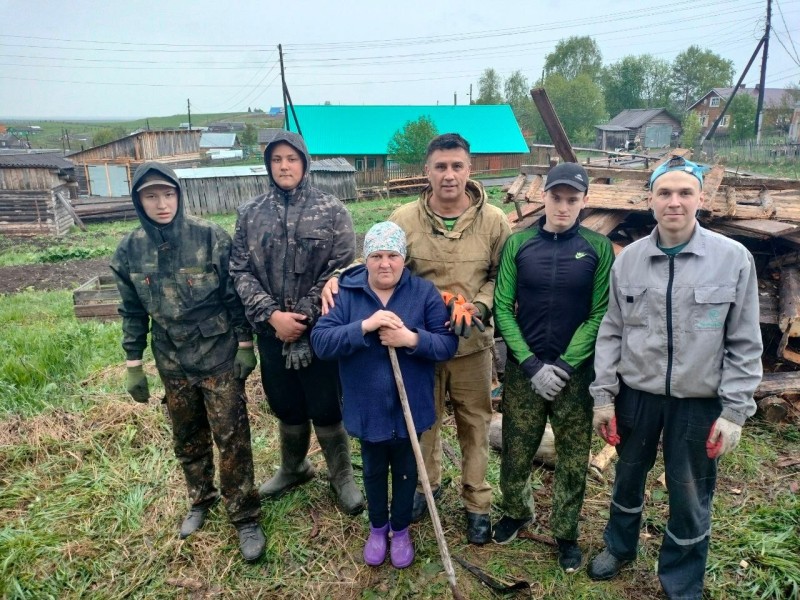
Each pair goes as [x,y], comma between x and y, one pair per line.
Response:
[137,384]
[298,354]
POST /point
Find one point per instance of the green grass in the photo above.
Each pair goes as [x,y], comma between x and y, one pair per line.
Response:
[45,353]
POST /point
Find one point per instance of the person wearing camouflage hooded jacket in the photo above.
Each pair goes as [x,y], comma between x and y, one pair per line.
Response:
[287,244]
[172,275]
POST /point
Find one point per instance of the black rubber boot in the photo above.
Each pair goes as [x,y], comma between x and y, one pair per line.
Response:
[295,469]
[336,446]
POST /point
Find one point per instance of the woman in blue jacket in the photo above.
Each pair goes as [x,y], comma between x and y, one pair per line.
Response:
[382,304]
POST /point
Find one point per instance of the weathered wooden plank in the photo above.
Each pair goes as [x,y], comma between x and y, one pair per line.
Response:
[515,188]
[534,189]
[604,221]
[773,384]
[789,301]
[711,182]
[553,125]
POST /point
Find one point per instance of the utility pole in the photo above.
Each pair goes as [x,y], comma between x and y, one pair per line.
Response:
[455,98]
[470,93]
[760,105]
[189,110]
[283,87]
[287,98]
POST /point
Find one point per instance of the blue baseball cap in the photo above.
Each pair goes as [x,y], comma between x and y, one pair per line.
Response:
[678,163]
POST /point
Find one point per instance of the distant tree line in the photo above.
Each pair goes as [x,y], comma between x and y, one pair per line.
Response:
[585,92]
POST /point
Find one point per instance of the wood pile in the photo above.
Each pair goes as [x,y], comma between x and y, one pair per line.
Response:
[763,213]
[96,209]
[406,186]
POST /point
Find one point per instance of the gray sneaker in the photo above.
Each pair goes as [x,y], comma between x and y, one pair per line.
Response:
[252,540]
[605,566]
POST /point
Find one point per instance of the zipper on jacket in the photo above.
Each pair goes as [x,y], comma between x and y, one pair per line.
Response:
[553,277]
[282,299]
[669,323]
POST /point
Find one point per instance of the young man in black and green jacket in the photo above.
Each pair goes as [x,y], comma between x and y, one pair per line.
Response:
[551,294]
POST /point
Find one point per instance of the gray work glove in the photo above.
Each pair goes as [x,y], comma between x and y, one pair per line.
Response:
[548,381]
[244,362]
[298,354]
[137,384]
[723,437]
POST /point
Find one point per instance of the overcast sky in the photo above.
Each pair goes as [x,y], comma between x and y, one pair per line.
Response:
[101,59]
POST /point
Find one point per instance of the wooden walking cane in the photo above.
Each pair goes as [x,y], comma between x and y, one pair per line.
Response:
[423,475]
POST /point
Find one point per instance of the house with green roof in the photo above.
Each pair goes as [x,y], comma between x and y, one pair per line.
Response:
[360,134]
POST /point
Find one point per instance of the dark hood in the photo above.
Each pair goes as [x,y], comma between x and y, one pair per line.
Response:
[158,233]
[296,142]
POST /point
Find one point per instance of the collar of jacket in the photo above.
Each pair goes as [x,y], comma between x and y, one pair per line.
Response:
[477,197]
[292,196]
[560,235]
[696,245]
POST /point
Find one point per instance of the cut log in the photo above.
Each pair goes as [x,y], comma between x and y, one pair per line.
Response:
[773,384]
[789,312]
[546,453]
[600,461]
[773,408]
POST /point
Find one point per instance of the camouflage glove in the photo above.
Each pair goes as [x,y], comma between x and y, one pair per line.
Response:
[298,354]
[137,384]
[548,381]
[244,362]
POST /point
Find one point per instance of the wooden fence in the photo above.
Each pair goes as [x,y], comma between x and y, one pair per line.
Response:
[751,152]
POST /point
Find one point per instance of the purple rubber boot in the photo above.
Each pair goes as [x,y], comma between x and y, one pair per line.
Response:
[402,549]
[375,548]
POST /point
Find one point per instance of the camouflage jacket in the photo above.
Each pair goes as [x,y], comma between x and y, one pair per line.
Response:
[174,281]
[286,246]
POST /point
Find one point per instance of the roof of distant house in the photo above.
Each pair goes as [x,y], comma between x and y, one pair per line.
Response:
[353,130]
[35,160]
[339,165]
[772,96]
[633,118]
[217,140]
[265,136]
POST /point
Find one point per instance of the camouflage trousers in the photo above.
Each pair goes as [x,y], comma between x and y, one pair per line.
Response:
[214,406]
[525,414]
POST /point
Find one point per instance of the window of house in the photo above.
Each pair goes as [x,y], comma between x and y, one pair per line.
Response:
[713,102]
[359,164]
[703,120]
[725,121]
[371,164]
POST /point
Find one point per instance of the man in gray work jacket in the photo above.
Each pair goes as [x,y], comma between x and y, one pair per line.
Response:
[678,353]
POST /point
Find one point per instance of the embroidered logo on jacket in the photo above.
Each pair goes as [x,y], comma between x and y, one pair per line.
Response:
[580,255]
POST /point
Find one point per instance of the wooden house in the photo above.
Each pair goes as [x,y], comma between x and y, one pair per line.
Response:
[106,170]
[335,176]
[215,190]
[778,107]
[35,192]
[361,134]
[643,127]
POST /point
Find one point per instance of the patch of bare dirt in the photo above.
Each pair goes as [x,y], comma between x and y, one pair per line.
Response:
[64,275]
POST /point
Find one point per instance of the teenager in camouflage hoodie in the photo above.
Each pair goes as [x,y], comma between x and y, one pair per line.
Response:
[287,244]
[172,274]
